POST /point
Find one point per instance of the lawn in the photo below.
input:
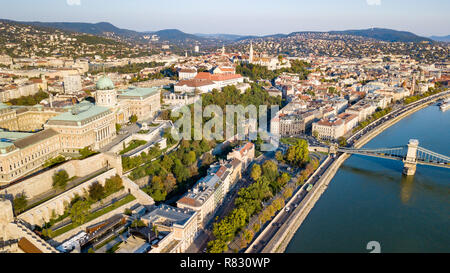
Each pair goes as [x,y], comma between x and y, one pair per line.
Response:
[95,215]
[133,145]
[289,140]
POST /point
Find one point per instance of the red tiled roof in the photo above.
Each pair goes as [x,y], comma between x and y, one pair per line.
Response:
[217,77]
[189,201]
[195,82]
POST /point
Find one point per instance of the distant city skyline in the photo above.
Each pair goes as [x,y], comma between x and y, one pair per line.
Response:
[251,17]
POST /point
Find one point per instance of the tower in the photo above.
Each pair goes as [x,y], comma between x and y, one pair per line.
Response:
[223,50]
[106,94]
[410,162]
[250,59]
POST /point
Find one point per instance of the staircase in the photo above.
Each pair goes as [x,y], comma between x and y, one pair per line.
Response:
[35,239]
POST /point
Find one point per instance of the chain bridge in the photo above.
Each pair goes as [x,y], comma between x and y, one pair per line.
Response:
[410,154]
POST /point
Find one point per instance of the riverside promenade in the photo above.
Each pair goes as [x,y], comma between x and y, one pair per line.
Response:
[279,241]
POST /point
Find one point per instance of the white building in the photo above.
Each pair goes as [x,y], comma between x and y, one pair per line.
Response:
[72,84]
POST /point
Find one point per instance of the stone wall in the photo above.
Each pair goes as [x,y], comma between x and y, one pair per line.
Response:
[60,239]
[43,212]
[42,182]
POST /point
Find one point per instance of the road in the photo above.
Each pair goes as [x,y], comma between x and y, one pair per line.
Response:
[200,243]
[284,215]
[286,212]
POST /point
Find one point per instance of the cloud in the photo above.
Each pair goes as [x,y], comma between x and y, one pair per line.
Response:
[73,2]
[373,2]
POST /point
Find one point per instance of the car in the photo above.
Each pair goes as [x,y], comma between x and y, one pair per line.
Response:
[288,209]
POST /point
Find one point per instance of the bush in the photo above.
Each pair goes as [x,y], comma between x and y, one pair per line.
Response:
[20,202]
[60,179]
[96,191]
[113,184]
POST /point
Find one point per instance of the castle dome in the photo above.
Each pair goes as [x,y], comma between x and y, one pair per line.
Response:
[105,83]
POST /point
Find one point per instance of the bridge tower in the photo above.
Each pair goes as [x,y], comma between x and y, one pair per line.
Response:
[410,162]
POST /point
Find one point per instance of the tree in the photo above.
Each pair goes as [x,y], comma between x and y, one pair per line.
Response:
[342,141]
[283,179]
[298,154]
[133,118]
[85,152]
[315,134]
[270,169]
[79,211]
[208,159]
[189,158]
[180,171]
[96,191]
[217,246]
[118,127]
[60,179]
[288,193]
[278,203]
[113,184]
[302,152]
[247,236]
[167,162]
[20,202]
[256,172]
[279,156]
[170,182]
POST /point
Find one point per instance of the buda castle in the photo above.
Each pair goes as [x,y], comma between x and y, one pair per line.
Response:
[64,131]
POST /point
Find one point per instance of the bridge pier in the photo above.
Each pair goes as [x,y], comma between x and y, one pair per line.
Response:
[410,162]
[409,169]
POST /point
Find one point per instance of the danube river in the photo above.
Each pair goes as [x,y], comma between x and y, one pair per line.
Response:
[370,200]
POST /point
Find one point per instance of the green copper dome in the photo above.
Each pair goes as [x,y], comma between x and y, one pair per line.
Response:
[105,83]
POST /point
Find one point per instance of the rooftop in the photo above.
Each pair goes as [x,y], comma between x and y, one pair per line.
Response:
[80,114]
[136,92]
[169,215]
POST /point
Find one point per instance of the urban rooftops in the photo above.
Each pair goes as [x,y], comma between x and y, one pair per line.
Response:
[137,92]
[80,115]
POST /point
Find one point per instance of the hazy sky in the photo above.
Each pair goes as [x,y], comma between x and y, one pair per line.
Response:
[258,17]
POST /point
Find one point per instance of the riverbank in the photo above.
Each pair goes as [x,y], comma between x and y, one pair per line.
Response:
[284,235]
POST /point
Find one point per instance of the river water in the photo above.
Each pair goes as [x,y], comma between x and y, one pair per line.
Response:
[370,200]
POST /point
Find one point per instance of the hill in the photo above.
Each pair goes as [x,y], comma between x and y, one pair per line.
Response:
[383,34]
[175,35]
[95,29]
[441,38]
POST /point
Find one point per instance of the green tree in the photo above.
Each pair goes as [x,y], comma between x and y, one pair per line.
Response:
[20,202]
[278,203]
[270,169]
[342,141]
[189,158]
[60,179]
[315,134]
[118,127]
[256,172]
[167,162]
[133,118]
[279,156]
[288,193]
[113,184]
[79,212]
[96,191]
[85,152]
[217,246]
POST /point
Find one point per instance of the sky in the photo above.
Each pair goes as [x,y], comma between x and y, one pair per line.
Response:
[243,17]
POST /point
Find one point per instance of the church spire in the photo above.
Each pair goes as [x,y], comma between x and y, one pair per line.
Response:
[250,59]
